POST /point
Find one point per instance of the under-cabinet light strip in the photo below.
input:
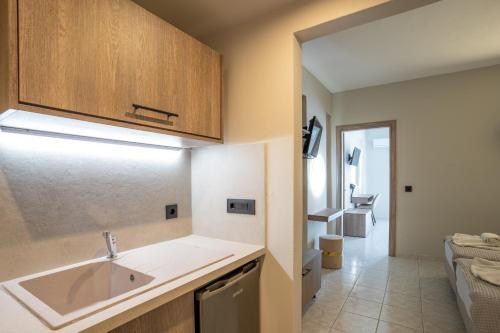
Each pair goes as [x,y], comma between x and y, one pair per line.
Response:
[17,130]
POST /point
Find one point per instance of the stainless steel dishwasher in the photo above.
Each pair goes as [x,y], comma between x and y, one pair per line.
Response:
[231,303]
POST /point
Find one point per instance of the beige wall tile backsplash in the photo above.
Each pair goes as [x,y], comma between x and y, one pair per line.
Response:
[57,196]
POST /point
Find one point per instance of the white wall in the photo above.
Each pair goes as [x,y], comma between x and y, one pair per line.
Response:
[378,170]
[448,148]
[319,104]
[223,172]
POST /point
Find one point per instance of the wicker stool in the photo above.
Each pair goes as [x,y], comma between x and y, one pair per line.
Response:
[332,246]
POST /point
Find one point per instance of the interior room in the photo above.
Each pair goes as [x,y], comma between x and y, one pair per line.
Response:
[233,166]
[366,172]
[388,94]
[366,176]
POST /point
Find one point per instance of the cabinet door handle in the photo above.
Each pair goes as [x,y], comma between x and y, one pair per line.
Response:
[147,118]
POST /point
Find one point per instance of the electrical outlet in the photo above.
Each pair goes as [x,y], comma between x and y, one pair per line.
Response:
[408,188]
[241,206]
[171,211]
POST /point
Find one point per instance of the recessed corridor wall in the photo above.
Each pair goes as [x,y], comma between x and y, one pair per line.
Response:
[316,176]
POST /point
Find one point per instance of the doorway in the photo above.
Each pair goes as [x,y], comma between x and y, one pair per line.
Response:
[352,172]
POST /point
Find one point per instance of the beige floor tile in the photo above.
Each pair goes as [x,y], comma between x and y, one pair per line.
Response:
[443,327]
[381,285]
[320,315]
[378,282]
[377,267]
[402,289]
[403,266]
[339,290]
[354,270]
[403,301]
[353,323]
[407,281]
[445,311]
[362,307]
[447,319]
[369,277]
[370,294]
[406,265]
[433,271]
[410,279]
[339,278]
[332,301]
[374,274]
[435,283]
[385,327]
[313,327]
[439,295]
[410,319]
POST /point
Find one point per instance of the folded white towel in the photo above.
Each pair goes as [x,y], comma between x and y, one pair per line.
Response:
[474,241]
[486,270]
[488,237]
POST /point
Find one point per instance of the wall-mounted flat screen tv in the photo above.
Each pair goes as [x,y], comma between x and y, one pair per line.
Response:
[312,138]
[354,158]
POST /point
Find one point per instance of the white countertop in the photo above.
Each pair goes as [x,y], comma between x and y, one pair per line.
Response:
[15,317]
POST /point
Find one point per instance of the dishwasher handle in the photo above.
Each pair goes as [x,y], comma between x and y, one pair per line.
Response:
[224,284]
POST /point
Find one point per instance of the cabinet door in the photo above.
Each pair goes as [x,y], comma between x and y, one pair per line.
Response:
[204,73]
[76,56]
[99,57]
[185,72]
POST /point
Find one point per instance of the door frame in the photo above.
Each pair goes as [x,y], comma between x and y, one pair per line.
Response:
[339,133]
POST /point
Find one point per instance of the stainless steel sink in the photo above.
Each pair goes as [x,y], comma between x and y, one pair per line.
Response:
[72,289]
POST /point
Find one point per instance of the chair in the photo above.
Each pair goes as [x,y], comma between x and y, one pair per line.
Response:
[371,206]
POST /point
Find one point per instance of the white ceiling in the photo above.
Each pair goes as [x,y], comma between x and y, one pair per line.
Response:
[444,37]
[202,17]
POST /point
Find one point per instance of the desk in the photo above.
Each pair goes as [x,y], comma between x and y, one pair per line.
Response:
[328,215]
[362,199]
[357,222]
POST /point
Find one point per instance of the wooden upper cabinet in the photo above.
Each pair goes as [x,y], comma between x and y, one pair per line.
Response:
[100,57]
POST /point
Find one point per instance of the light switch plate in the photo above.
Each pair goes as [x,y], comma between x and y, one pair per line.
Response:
[241,206]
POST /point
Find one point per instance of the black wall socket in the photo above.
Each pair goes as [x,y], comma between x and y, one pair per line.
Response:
[408,188]
[171,211]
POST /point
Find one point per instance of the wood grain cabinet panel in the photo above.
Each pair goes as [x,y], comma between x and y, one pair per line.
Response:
[98,57]
[176,316]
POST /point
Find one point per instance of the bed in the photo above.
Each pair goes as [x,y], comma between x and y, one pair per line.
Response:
[453,252]
[478,301]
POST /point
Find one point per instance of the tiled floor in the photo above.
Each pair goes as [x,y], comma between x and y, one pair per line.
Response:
[376,293]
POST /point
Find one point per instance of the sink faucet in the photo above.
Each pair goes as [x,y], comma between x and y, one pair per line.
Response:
[110,243]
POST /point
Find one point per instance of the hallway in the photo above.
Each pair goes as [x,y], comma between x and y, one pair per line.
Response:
[377,293]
